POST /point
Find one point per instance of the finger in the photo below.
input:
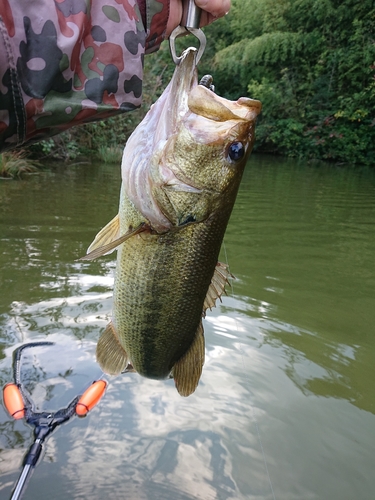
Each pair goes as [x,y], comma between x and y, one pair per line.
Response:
[175,14]
[216,8]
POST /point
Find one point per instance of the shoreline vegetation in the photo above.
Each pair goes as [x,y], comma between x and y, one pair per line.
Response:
[310,62]
[16,164]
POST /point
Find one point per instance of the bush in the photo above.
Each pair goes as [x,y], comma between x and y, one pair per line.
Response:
[312,64]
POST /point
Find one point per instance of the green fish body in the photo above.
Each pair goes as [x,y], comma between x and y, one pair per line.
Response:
[181,171]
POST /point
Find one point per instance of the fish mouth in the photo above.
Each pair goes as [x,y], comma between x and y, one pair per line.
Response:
[205,103]
[175,106]
[186,97]
[207,118]
[213,118]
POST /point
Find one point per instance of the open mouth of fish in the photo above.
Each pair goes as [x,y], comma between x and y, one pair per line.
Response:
[186,113]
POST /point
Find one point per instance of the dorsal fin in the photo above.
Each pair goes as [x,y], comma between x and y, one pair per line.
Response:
[98,251]
[216,289]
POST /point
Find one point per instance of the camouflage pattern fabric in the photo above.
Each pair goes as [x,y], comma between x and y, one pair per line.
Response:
[67,62]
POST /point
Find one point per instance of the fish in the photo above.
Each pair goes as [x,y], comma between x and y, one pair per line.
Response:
[181,170]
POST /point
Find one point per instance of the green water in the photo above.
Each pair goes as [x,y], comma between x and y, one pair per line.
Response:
[285,407]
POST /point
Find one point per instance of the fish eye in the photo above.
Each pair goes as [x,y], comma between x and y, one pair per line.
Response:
[236,151]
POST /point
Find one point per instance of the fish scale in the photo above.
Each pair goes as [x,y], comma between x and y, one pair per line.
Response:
[167,267]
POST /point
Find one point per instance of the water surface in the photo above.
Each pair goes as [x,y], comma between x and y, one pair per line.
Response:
[285,407]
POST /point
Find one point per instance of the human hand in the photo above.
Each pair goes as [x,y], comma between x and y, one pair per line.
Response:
[211,10]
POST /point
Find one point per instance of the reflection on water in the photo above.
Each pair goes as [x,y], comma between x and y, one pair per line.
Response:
[285,407]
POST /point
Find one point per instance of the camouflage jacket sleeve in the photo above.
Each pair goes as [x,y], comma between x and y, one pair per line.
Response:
[67,62]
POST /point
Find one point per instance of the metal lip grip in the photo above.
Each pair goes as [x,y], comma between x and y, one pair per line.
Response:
[189,25]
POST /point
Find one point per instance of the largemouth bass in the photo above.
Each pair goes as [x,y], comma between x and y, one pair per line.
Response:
[181,170]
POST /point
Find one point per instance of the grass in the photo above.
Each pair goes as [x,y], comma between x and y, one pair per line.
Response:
[112,154]
[15,164]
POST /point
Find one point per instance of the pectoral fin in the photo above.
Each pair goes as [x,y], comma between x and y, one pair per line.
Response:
[110,354]
[103,245]
[109,233]
[187,371]
[216,289]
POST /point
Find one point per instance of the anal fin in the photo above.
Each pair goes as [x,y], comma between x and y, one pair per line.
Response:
[110,354]
[187,371]
[217,286]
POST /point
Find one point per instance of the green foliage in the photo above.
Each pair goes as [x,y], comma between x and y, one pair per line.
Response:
[312,64]
[15,164]
[63,147]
